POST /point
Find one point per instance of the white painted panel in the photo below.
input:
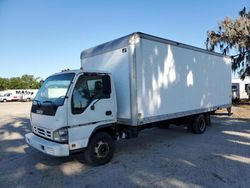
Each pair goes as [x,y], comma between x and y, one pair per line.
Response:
[50,122]
[117,63]
[171,79]
[96,115]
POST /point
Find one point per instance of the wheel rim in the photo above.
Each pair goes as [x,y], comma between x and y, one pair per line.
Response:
[101,149]
[202,125]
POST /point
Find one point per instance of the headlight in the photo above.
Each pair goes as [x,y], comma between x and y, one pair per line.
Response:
[61,135]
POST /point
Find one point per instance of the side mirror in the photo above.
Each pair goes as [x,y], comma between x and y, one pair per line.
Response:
[106,85]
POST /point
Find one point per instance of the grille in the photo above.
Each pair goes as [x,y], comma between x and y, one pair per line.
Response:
[42,132]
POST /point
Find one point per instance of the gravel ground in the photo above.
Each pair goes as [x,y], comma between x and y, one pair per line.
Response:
[157,158]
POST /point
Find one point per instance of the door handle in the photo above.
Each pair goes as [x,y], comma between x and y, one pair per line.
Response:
[108,113]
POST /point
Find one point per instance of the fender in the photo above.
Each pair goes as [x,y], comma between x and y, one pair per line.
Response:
[80,135]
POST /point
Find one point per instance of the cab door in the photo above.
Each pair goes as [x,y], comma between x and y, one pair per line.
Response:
[90,103]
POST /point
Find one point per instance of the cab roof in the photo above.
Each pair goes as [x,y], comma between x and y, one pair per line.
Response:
[78,71]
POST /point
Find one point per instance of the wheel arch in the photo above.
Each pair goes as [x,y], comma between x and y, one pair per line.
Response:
[108,128]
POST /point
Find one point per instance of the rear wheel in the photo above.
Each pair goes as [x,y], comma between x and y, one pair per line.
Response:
[4,100]
[199,124]
[208,119]
[100,149]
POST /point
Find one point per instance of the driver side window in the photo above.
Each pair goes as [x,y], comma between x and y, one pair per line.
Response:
[87,89]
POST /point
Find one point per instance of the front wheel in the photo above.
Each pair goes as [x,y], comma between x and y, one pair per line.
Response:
[100,149]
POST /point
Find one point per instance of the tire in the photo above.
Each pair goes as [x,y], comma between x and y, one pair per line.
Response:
[208,119]
[199,124]
[100,149]
[28,100]
[4,100]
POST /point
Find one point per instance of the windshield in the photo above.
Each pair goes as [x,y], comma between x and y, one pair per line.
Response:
[54,89]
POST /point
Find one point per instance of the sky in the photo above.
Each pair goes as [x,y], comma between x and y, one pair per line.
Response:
[43,37]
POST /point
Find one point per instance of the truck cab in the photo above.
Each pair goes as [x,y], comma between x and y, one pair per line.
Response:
[70,108]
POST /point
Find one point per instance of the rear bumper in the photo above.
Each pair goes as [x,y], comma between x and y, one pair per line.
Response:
[48,147]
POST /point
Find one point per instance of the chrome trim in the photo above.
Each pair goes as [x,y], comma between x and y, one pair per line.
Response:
[46,133]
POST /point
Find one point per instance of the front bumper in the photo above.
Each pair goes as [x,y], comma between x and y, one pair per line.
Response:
[48,147]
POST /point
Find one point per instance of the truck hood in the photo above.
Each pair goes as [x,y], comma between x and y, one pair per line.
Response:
[50,122]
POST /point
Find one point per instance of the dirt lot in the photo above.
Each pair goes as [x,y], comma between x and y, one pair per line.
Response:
[157,158]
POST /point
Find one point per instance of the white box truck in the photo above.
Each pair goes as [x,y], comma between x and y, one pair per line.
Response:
[27,95]
[124,86]
[18,95]
[9,95]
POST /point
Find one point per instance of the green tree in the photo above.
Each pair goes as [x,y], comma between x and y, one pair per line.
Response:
[23,82]
[29,82]
[4,82]
[233,36]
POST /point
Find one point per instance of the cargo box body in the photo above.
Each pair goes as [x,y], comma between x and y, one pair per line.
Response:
[158,79]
